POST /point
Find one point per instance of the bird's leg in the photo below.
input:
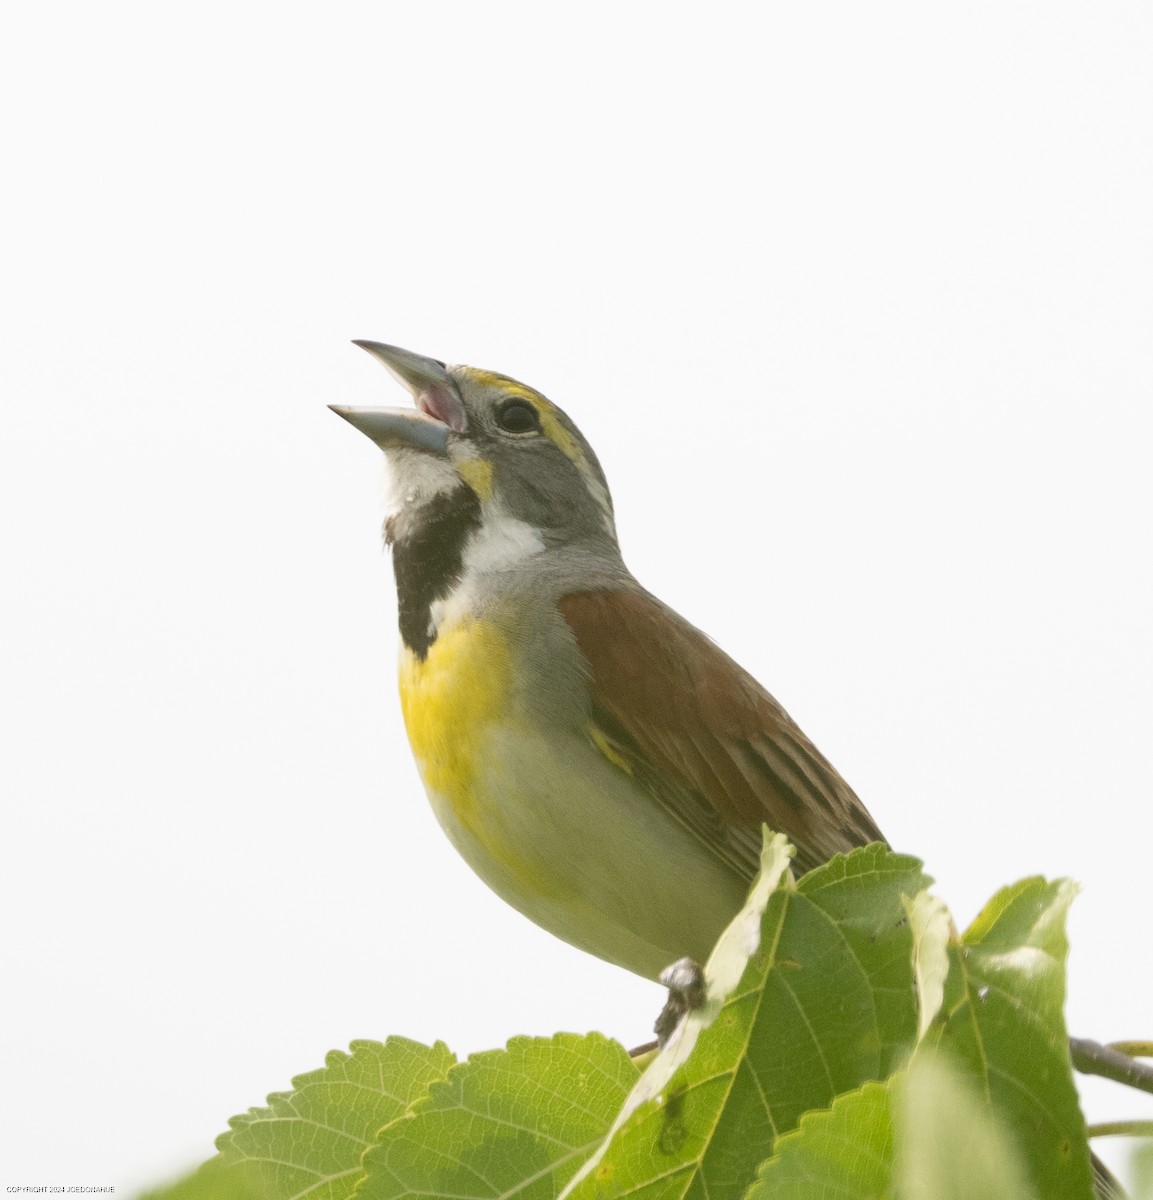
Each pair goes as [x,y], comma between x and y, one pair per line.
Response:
[685,980]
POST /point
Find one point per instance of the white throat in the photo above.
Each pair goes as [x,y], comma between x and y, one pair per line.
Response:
[412,477]
[501,544]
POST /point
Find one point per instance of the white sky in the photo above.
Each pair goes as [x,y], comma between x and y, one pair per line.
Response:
[854,302]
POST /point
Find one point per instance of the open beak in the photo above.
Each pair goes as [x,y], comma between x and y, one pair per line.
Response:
[438,413]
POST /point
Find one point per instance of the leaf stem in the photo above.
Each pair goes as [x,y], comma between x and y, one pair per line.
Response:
[1133,1049]
[1121,1129]
[1092,1058]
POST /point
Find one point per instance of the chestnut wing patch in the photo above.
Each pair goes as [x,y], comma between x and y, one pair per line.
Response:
[704,737]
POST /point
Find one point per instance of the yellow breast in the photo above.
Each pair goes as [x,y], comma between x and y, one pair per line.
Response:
[451,700]
[550,815]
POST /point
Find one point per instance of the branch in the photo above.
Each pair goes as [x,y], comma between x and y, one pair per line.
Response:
[1091,1058]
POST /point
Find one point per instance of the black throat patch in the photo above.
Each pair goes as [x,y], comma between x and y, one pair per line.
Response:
[427,549]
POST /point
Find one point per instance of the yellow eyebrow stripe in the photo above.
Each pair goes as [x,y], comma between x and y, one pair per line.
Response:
[551,424]
[490,379]
[560,436]
[555,426]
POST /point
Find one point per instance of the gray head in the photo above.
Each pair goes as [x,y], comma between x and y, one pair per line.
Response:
[512,447]
[485,473]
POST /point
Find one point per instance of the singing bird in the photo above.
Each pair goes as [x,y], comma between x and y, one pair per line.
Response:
[600,763]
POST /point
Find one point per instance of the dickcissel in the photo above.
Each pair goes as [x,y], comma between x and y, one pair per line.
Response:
[598,761]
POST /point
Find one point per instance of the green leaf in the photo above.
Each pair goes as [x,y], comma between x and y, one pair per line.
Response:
[309,1142]
[844,1151]
[809,993]
[865,893]
[506,1123]
[923,1134]
[1002,1021]
[212,1181]
[1143,1172]
[931,927]
[950,1145]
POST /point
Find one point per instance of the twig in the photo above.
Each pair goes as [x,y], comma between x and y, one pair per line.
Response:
[1091,1058]
[1121,1129]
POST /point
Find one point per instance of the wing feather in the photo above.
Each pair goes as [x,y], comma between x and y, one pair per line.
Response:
[704,737]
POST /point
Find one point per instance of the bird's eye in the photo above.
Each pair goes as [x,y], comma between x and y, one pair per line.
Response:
[518,416]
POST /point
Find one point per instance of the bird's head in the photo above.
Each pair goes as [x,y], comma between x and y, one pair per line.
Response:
[475,431]
[486,478]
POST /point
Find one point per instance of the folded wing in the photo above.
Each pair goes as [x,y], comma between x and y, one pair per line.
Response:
[704,737]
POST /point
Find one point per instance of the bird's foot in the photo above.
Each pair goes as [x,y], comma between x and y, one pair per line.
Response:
[685,980]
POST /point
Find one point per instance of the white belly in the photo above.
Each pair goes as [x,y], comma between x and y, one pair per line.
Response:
[570,840]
